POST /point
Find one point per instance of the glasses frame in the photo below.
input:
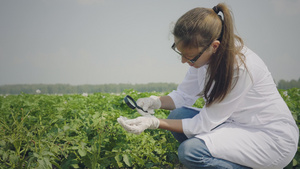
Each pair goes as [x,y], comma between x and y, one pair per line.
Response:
[190,60]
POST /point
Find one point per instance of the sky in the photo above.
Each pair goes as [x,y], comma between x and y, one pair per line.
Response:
[116,41]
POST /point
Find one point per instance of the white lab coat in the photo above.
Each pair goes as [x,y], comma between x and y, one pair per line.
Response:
[257,128]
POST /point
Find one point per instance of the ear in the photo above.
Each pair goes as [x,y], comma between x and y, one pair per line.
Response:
[215,45]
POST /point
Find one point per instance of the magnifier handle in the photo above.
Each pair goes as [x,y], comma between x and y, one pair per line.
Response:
[141,109]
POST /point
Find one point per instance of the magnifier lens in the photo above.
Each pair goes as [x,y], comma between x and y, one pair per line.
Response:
[130,102]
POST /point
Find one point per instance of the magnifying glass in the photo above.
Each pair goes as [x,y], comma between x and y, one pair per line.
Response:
[132,104]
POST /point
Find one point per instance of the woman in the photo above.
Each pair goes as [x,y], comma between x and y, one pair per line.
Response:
[245,123]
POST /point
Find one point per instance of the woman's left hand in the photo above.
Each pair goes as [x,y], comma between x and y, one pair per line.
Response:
[138,125]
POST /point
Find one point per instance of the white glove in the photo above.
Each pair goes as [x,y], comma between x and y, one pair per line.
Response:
[148,104]
[138,125]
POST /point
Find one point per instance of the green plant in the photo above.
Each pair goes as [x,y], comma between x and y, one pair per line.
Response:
[292,99]
[76,131]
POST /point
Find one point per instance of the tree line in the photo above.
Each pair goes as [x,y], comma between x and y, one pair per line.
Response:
[282,84]
[106,88]
[77,89]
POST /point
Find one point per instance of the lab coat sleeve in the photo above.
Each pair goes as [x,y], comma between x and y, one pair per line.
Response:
[214,115]
[187,92]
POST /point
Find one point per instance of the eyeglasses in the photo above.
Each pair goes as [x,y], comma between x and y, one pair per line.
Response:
[190,60]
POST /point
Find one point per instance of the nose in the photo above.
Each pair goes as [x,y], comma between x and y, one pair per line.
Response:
[183,60]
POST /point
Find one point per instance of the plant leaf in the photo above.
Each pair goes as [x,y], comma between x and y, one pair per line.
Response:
[127,160]
[82,152]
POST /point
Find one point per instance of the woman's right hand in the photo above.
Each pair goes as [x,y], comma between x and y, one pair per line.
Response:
[148,104]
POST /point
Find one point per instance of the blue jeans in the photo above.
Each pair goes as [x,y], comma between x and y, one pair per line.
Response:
[193,152]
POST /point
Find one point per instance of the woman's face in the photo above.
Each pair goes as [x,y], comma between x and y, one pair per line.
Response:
[188,53]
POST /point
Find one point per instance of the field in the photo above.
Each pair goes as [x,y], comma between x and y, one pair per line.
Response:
[81,131]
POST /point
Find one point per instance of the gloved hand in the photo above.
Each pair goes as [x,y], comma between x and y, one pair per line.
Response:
[148,104]
[138,125]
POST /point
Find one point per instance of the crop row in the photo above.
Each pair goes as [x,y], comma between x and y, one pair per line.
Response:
[81,131]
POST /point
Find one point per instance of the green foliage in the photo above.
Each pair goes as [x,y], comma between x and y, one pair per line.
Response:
[77,131]
[292,99]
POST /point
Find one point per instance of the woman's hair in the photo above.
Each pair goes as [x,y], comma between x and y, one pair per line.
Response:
[199,27]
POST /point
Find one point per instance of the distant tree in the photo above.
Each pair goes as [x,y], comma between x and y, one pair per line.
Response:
[69,89]
[282,84]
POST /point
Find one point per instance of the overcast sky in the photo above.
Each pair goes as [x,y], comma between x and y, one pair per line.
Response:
[128,41]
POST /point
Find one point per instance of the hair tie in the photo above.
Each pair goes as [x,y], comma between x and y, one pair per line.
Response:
[216,9]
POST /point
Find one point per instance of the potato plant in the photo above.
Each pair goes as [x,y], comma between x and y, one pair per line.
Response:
[81,131]
[78,131]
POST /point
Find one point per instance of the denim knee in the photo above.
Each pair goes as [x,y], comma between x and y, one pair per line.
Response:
[193,150]
[182,113]
[176,113]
